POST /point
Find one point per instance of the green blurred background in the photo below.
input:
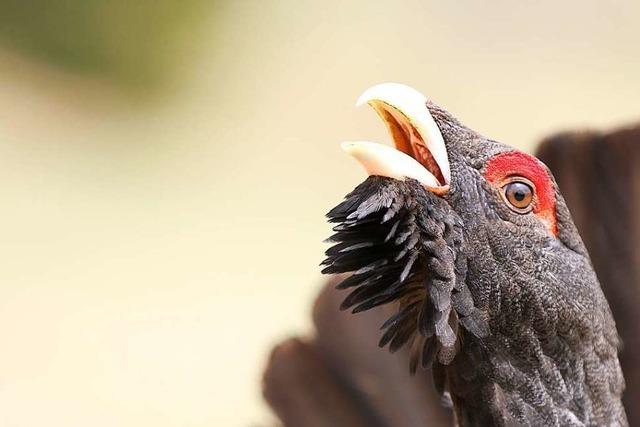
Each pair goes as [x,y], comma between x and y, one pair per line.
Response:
[165,167]
[136,43]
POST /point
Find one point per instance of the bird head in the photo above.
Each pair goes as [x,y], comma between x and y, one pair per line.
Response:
[472,243]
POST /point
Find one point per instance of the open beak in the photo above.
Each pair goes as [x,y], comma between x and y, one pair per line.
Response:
[419,152]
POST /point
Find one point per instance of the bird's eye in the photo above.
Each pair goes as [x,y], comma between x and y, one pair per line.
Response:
[519,195]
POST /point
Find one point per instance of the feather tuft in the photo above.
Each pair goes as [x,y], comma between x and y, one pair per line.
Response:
[403,245]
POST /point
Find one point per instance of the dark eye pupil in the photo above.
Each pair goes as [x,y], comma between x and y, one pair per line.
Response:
[519,195]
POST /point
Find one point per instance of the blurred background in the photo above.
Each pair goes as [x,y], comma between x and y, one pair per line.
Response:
[165,168]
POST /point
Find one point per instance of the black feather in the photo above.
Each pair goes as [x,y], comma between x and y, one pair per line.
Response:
[402,245]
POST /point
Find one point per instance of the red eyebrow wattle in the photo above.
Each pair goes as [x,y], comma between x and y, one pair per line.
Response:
[516,163]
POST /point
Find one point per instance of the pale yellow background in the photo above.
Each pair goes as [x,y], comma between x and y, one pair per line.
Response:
[151,254]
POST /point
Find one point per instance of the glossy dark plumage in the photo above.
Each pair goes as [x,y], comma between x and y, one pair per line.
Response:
[402,244]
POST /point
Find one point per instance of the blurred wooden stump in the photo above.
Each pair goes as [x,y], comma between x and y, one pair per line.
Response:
[340,377]
[599,176]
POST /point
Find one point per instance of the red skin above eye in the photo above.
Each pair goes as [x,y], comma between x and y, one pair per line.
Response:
[514,163]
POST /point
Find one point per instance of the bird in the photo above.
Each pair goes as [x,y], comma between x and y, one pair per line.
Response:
[471,244]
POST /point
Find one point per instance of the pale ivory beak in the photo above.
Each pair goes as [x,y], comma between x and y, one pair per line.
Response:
[380,159]
[419,152]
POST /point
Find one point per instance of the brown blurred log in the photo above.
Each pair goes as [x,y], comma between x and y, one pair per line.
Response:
[341,378]
[303,391]
[349,344]
[599,176]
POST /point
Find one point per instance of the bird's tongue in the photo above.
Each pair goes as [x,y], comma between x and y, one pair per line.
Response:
[419,152]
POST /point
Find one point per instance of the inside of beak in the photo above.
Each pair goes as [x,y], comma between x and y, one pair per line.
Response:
[414,133]
[407,138]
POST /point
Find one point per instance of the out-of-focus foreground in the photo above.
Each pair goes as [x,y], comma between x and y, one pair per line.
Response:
[161,231]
